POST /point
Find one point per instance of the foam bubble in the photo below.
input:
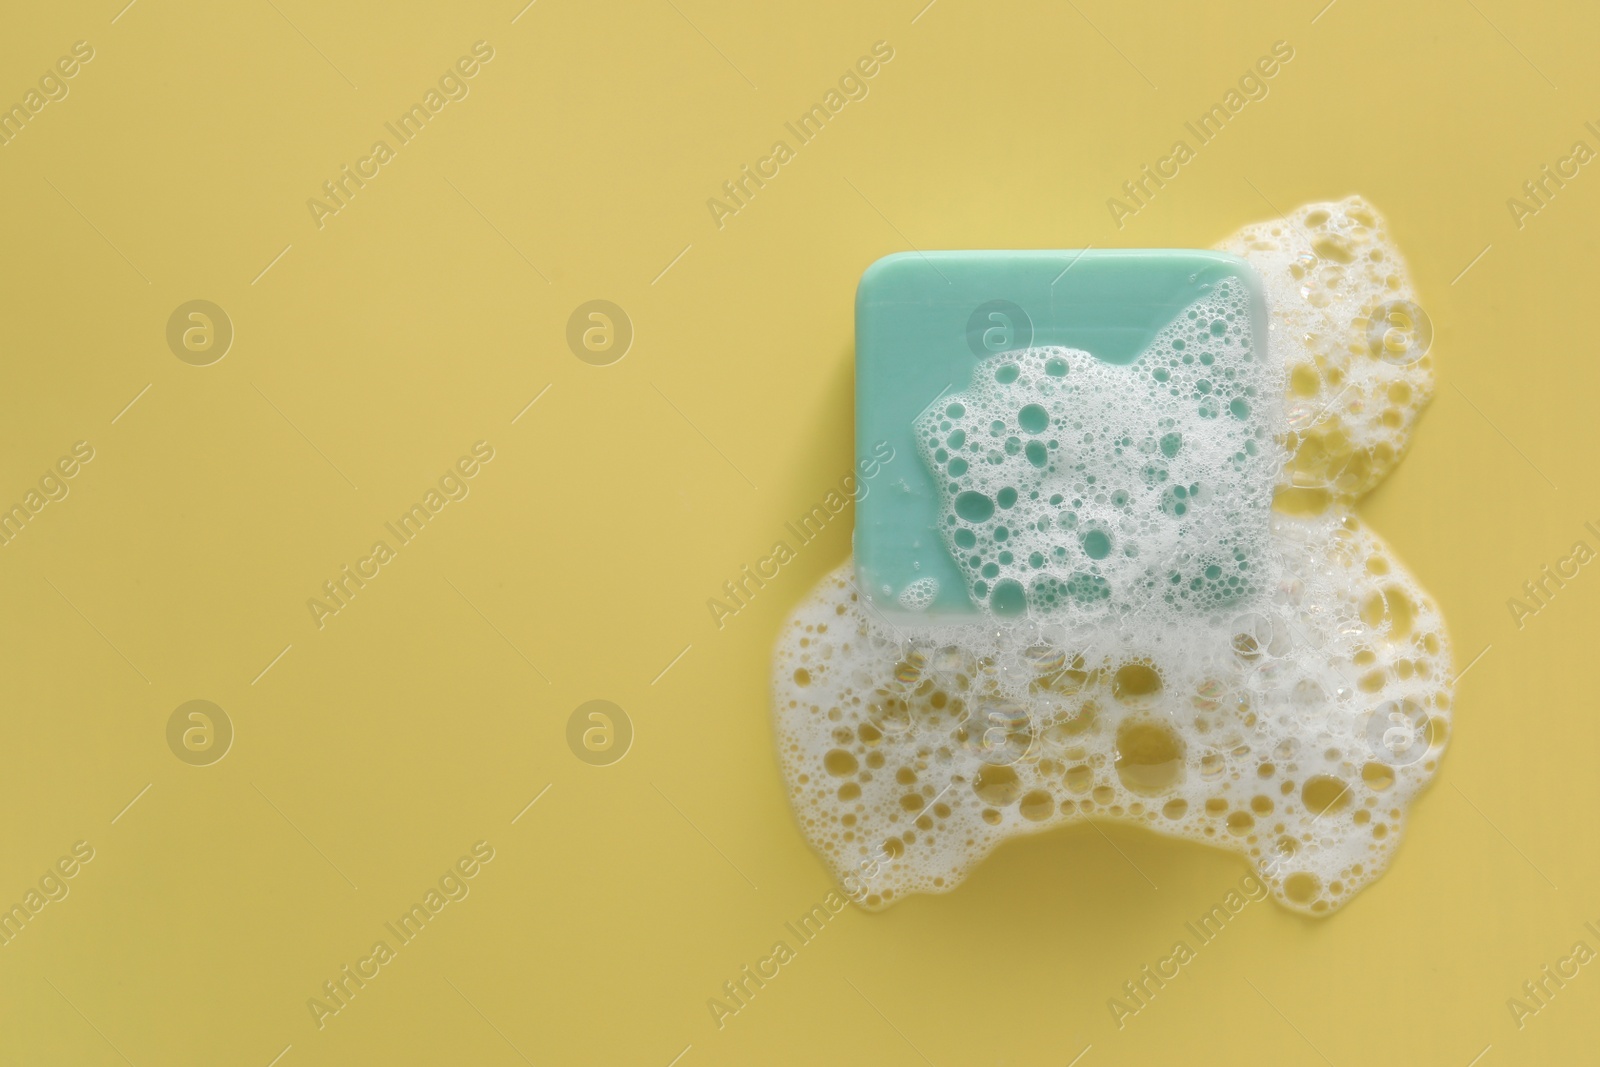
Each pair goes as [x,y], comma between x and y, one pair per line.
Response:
[918,594]
[1270,682]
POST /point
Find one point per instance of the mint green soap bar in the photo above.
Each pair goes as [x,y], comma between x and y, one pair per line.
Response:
[1153,465]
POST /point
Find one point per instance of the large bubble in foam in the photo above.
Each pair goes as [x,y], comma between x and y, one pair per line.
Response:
[1157,646]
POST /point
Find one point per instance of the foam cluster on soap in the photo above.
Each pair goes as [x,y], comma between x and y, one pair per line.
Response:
[1073,484]
[1270,681]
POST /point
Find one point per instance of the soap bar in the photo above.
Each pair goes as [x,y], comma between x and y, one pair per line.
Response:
[1084,433]
[1111,571]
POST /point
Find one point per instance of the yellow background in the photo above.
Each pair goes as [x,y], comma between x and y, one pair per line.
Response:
[375,751]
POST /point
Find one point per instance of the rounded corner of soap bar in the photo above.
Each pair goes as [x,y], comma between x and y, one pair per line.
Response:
[1240,266]
[884,269]
[1239,263]
[884,264]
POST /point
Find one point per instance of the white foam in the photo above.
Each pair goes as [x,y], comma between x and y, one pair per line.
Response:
[1290,716]
[919,593]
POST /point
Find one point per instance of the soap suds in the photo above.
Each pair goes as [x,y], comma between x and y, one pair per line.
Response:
[1269,680]
[1070,484]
